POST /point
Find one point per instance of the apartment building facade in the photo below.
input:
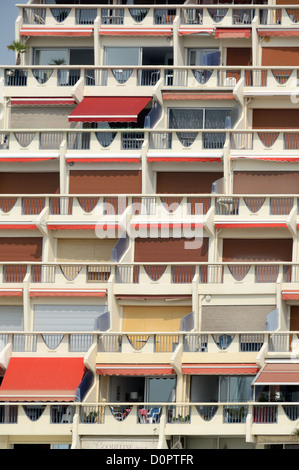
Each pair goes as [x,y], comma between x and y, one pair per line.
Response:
[149,255]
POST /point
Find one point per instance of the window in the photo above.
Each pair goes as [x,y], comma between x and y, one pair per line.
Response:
[198,118]
[122,56]
[234,389]
[203,57]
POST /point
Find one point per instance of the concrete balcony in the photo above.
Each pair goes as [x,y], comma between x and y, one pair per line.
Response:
[229,83]
[250,420]
[41,16]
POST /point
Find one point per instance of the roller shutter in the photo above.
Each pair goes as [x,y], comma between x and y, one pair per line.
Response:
[66,317]
[280,56]
[105,182]
[186,183]
[84,250]
[40,117]
[169,250]
[250,250]
[11,318]
[275,118]
[21,249]
[266,182]
[235,317]
[29,183]
[151,319]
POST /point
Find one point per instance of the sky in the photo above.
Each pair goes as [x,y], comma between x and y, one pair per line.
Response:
[8,16]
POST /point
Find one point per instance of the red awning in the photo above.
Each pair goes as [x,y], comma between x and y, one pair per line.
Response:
[169,225]
[290,295]
[133,369]
[42,101]
[82,226]
[250,225]
[67,293]
[42,379]
[31,158]
[268,158]
[220,369]
[11,292]
[184,31]
[227,33]
[278,374]
[184,159]
[198,96]
[44,31]
[151,297]
[278,32]
[17,226]
[109,109]
[107,159]
[121,31]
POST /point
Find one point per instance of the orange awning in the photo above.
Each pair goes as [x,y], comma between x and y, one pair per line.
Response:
[67,293]
[186,31]
[278,374]
[42,379]
[228,33]
[290,295]
[42,101]
[198,96]
[133,369]
[278,32]
[44,31]
[121,31]
[220,369]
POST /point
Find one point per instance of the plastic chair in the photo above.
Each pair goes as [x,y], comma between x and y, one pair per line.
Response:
[153,415]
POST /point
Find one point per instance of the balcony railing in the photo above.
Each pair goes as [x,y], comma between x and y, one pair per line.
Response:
[194,344]
[150,15]
[195,418]
[222,78]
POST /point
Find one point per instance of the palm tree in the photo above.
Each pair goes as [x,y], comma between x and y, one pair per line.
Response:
[19,48]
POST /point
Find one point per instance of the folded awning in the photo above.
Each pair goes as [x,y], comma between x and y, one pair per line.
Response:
[109,109]
[219,369]
[290,295]
[185,31]
[268,158]
[198,96]
[19,158]
[83,226]
[121,31]
[42,101]
[42,379]
[278,374]
[17,226]
[109,158]
[133,369]
[245,224]
[228,33]
[11,292]
[278,32]
[179,157]
[44,31]
[169,225]
[68,293]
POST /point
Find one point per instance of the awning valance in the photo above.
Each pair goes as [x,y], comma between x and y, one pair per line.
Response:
[278,374]
[278,32]
[220,369]
[198,96]
[133,369]
[109,109]
[43,31]
[42,101]
[290,294]
[228,33]
[185,31]
[121,31]
[42,379]
[68,293]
